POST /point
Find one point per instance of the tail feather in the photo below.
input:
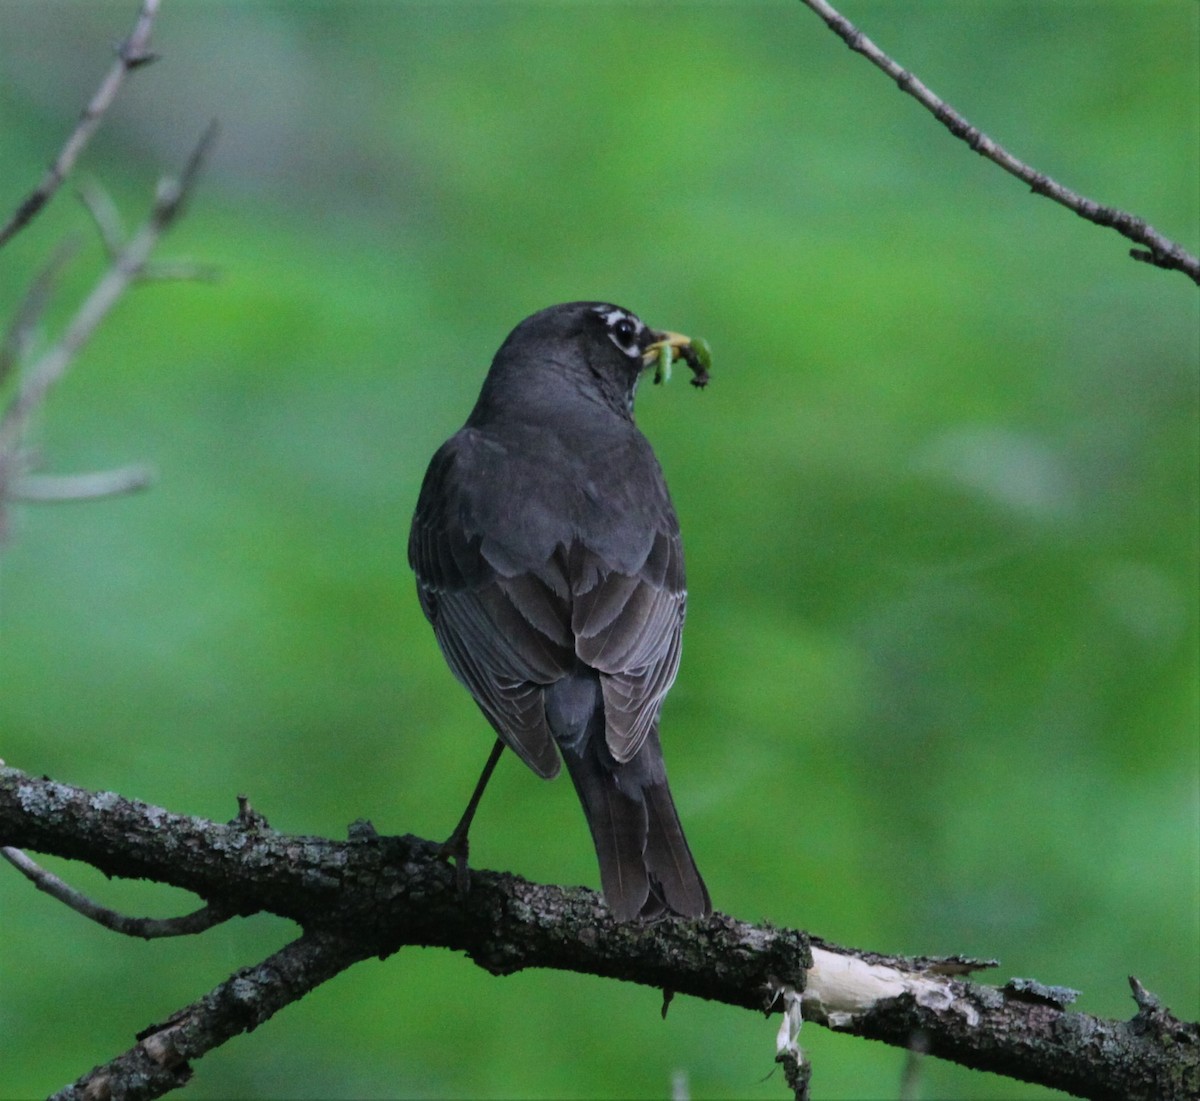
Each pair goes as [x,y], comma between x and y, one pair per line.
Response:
[619,826]
[646,867]
[668,859]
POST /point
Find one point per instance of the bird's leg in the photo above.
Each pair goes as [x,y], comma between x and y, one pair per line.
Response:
[456,845]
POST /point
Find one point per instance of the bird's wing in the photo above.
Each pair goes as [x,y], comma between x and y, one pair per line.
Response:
[504,637]
[629,626]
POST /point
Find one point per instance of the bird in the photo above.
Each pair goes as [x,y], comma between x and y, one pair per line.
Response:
[549,562]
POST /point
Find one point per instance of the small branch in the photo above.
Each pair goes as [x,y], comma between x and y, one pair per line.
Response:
[126,267]
[1158,250]
[80,487]
[131,54]
[180,271]
[19,337]
[107,219]
[159,1062]
[198,921]
[172,194]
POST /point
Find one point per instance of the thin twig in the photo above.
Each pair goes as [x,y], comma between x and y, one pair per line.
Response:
[107,219]
[19,337]
[1158,250]
[125,268]
[198,921]
[180,271]
[131,54]
[80,487]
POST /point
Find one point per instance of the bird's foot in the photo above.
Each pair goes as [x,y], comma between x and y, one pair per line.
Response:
[456,847]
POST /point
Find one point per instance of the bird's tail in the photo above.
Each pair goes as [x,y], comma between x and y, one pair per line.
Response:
[646,867]
[669,864]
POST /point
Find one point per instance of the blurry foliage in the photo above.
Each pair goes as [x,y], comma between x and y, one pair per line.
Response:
[939,691]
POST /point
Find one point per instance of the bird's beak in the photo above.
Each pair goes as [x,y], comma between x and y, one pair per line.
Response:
[677,342]
[667,346]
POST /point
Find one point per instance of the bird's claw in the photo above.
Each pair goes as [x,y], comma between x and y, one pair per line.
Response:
[456,848]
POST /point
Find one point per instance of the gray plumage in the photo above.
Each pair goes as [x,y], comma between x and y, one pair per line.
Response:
[549,562]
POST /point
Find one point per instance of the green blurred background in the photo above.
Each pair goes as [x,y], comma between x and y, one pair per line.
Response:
[940,682]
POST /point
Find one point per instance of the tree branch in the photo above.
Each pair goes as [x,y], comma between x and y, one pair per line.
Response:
[374,894]
[131,54]
[1158,250]
[159,1061]
[386,892]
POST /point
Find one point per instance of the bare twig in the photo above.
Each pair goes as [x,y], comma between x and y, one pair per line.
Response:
[80,487]
[1158,250]
[19,337]
[180,271]
[131,54]
[126,267]
[158,1063]
[107,219]
[99,204]
[147,928]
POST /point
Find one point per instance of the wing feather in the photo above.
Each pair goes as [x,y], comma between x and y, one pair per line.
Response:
[510,626]
[504,638]
[630,629]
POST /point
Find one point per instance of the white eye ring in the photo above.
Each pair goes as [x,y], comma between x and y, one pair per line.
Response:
[624,330]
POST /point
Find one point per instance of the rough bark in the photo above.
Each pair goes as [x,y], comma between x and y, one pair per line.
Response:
[369,895]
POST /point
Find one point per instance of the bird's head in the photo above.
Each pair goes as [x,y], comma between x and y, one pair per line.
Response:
[594,350]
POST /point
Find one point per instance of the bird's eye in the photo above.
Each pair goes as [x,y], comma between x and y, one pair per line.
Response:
[623,329]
